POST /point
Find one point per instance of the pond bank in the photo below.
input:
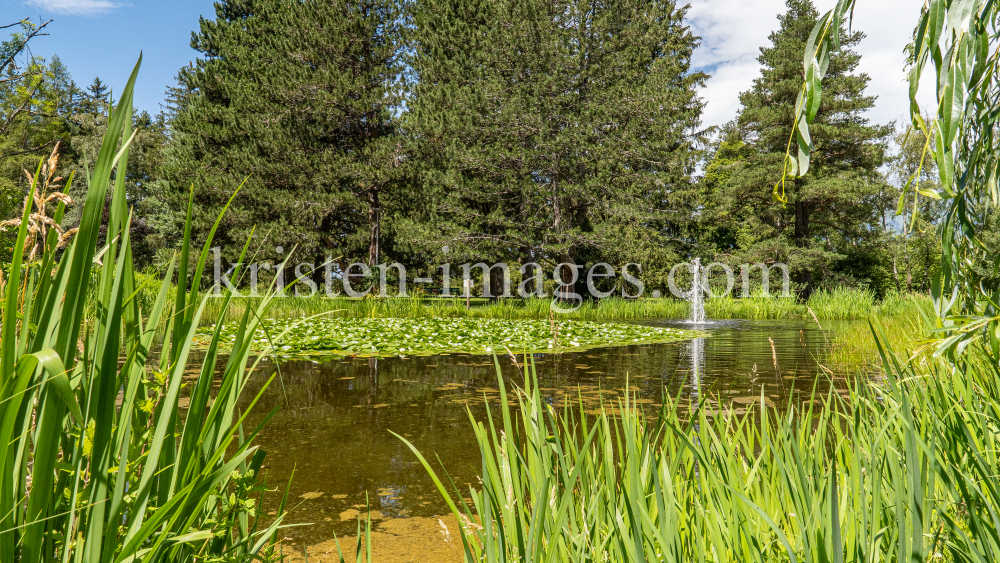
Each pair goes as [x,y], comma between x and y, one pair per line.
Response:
[840,304]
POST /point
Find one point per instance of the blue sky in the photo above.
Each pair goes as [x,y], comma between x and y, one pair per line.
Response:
[104,37]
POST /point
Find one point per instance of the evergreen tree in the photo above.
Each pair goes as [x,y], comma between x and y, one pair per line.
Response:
[62,87]
[552,131]
[833,229]
[98,91]
[723,226]
[300,96]
[146,153]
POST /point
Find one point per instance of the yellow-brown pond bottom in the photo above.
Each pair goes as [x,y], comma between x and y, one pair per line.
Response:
[401,540]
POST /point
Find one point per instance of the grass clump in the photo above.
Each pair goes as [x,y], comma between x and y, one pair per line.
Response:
[908,330]
[902,469]
[840,304]
[380,337]
[97,462]
[418,306]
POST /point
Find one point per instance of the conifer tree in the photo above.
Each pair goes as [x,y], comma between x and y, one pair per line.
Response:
[552,131]
[300,97]
[832,229]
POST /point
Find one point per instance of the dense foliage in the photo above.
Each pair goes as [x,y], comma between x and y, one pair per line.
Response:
[97,462]
[312,133]
[833,229]
[552,132]
[505,130]
[955,42]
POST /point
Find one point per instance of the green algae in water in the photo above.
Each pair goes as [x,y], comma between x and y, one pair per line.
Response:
[380,337]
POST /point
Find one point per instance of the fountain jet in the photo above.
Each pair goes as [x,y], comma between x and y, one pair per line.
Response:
[697,295]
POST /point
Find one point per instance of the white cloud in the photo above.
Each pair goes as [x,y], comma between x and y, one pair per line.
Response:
[76,7]
[733,31]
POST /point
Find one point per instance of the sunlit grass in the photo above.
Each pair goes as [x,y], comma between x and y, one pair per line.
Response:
[904,469]
[906,327]
[843,304]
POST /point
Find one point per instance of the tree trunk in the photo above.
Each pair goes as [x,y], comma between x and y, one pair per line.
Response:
[802,276]
[895,272]
[496,284]
[908,266]
[374,218]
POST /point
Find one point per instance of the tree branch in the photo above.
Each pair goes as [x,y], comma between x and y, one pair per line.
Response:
[35,32]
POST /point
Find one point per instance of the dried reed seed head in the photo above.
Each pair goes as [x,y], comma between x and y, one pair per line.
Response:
[48,221]
[54,158]
[60,196]
[65,238]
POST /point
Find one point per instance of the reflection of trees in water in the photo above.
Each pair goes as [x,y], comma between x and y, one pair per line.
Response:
[372,382]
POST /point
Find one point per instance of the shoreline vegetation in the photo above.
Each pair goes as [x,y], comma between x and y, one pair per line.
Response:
[904,466]
[836,305]
[99,462]
[847,315]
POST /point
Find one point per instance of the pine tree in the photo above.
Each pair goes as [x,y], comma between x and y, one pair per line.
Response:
[97,97]
[833,228]
[301,97]
[551,131]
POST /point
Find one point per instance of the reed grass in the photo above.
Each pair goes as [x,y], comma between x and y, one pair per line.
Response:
[841,304]
[98,463]
[908,330]
[901,470]
[420,307]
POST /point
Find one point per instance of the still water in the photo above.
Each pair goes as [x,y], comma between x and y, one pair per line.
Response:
[333,426]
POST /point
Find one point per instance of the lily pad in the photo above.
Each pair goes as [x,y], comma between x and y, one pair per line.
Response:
[381,337]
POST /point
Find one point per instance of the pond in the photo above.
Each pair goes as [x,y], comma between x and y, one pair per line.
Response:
[333,426]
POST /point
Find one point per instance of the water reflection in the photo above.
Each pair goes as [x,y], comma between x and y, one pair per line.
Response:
[333,426]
